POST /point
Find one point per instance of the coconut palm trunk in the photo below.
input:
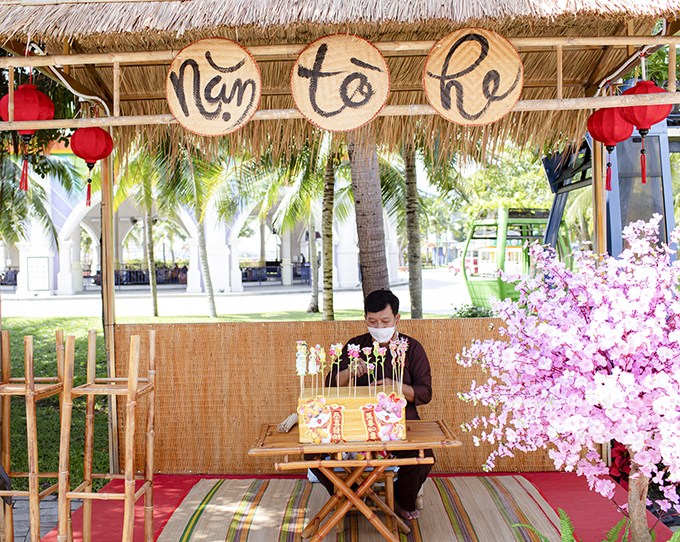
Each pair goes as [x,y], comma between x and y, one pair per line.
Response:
[148,230]
[327,239]
[203,256]
[415,266]
[363,157]
[313,266]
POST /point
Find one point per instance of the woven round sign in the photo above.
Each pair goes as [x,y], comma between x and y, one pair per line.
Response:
[340,82]
[473,77]
[213,87]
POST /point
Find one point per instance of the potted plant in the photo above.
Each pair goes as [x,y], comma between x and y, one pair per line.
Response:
[586,357]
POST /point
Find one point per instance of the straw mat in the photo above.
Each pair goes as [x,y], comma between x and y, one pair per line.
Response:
[469,508]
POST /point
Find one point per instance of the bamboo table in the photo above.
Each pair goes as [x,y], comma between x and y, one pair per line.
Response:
[421,435]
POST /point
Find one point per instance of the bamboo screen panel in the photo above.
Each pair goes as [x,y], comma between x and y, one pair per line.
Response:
[217,383]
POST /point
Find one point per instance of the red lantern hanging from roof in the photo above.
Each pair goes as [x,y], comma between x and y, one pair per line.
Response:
[91,144]
[609,127]
[644,116]
[29,104]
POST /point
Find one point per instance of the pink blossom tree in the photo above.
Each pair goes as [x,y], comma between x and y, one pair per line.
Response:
[589,356]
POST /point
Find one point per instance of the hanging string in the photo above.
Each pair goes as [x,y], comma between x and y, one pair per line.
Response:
[643,162]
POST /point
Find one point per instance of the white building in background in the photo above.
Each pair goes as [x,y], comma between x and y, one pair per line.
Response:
[44,269]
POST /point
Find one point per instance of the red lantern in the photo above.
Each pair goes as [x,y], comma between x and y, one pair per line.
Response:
[644,116]
[91,144]
[29,104]
[609,127]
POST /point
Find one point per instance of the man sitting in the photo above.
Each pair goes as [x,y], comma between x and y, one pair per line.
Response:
[381,311]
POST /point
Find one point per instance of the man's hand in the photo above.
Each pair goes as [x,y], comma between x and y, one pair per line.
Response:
[359,369]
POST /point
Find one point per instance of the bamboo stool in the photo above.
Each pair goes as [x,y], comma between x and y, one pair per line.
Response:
[132,388]
[32,389]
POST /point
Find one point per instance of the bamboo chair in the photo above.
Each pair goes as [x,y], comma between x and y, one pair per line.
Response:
[32,389]
[132,388]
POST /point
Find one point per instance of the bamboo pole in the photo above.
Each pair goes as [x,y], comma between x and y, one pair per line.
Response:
[6,404]
[672,54]
[32,443]
[559,72]
[10,105]
[64,443]
[116,89]
[387,47]
[569,104]
[108,304]
[133,373]
[89,435]
[599,201]
[150,415]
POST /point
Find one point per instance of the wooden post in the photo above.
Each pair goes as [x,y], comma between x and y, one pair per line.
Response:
[66,49]
[6,402]
[150,414]
[32,443]
[89,435]
[10,105]
[108,304]
[116,89]
[599,201]
[64,443]
[133,374]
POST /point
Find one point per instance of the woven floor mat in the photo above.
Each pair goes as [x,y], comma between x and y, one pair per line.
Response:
[465,509]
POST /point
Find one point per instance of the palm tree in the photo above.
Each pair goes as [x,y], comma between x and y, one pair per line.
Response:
[363,158]
[189,177]
[327,237]
[415,264]
[139,185]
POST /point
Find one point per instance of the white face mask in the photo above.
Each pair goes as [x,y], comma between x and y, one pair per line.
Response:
[381,334]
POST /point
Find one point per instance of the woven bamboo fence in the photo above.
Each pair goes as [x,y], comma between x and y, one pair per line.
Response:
[218,383]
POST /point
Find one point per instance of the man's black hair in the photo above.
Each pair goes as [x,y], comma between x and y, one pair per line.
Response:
[379,300]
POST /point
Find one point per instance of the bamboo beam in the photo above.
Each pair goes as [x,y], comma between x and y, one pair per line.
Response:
[386,47]
[630,27]
[10,105]
[116,89]
[570,104]
[606,53]
[91,69]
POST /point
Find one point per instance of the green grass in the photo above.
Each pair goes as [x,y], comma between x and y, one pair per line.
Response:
[44,362]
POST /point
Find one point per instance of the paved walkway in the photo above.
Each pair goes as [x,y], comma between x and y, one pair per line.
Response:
[441,292]
[49,516]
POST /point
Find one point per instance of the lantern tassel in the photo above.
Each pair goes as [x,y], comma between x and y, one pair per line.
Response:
[608,186]
[88,199]
[643,163]
[23,185]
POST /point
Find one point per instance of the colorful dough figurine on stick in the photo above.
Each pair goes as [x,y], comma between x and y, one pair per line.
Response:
[321,353]
[336,351]
[353,353]
[301,363]
[313,367]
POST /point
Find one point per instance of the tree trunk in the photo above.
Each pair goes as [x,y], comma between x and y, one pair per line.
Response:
[313,266]
[327,239]
[363,158]
[415,264]
[263,238]
[637,505]
[203,253]
[148,230]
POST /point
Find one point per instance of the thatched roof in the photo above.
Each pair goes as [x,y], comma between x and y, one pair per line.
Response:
[137,26]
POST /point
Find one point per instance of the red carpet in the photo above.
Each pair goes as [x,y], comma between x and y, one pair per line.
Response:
[592,514]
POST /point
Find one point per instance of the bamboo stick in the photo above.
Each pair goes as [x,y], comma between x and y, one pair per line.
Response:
[10,105]
[66,49]
[672,54]
[150,418]
[559,72]
[32,443]
[64,443]
[133,372]
[89,436]
[599,201]
[116,89]
[6,405]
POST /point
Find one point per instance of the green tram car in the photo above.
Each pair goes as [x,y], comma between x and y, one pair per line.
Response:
[498,241]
